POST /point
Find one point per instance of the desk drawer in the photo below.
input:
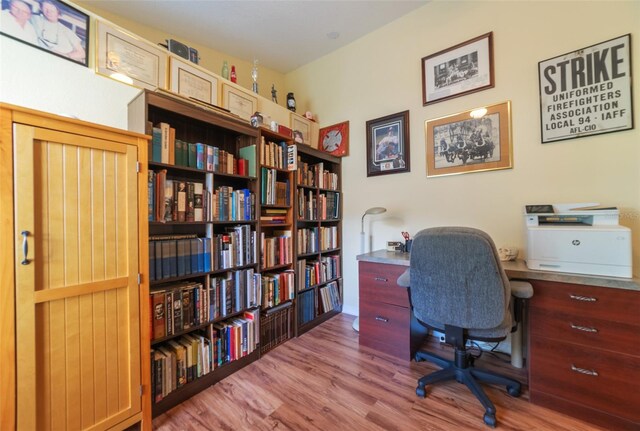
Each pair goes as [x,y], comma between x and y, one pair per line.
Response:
[378,283]
[587,331]
[385,327]
[555,368]
[618,305]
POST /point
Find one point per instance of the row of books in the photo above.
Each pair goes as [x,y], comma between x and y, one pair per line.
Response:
[173,200]
[277,288]
[324,206]
[227,204]
[277,249]
[185,359]
[165,148]
[274,192]
[314,239]
[306,306]
[316,272]
[278,155]
[330,297]
[179,307]
[316,176]
[178,255]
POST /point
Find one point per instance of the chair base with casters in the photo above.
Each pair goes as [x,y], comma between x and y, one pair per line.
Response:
[462,370]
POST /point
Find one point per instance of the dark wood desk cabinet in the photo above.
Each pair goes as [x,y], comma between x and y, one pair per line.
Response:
[584,356]
[385,316]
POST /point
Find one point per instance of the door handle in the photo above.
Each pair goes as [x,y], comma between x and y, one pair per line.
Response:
[25,247]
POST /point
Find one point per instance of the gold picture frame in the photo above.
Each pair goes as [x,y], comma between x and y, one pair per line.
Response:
[192,82]
[127,58]
[303,126]
[238,102]
[471,141]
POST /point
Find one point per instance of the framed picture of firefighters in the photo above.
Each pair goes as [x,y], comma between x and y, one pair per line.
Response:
[388,144]
[462,69]
[472,141]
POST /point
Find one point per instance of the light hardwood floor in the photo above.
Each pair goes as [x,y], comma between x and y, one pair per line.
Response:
[324,381]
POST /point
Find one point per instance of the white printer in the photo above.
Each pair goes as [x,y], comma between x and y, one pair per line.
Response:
[582,238]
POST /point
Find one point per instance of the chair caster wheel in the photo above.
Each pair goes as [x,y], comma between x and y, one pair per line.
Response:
[421,392]
[514,391]
[490,420]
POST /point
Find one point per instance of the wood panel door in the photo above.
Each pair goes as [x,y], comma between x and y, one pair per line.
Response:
[77,305]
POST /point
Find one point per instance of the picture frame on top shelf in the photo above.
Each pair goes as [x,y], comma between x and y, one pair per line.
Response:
[192,82]
[303,126]
[127,58]
[471,141]
[238,102]
[335,139]
[388,145]
[69,37]
[462,69]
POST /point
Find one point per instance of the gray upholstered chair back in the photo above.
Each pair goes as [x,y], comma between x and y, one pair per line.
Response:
[457,279]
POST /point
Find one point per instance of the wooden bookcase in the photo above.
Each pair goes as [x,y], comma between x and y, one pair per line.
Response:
[318,230]
[203,245]
[276,238]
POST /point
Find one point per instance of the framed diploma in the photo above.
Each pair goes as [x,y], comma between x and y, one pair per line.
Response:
[192,82]
[238,102]
[126,58]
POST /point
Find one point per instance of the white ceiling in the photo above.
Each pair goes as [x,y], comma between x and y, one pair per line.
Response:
[282,34]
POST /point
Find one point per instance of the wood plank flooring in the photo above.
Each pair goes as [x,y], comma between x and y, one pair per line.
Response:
[324,381]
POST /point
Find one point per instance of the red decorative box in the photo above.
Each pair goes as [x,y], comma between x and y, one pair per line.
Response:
[284,130]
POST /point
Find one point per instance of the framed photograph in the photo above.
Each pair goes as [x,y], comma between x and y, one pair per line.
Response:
[192,82]
[50,25]
[301,125]
[471,141]
[388,144]
[586,92]
[124,57]
[335,139]
[238,102]
[461,69]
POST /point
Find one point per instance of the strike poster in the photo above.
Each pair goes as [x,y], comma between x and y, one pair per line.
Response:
[586,92]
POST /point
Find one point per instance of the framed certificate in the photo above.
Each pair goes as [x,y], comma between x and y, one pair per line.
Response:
[303,126]
[126,58]
[238,102]
[192,82]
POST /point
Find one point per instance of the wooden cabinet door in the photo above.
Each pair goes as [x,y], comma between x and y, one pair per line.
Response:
[77,310]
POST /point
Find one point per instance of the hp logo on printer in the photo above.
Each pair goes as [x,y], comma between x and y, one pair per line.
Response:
[575,242]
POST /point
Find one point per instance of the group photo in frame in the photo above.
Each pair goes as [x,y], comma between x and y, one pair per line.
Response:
[125,57]
[596,99]
[388,144]
[462,69]
[470,141]
[49,25]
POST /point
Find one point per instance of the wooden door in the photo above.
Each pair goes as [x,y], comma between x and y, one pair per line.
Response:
[77,309]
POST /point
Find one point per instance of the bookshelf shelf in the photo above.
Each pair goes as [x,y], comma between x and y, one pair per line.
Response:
[203,262]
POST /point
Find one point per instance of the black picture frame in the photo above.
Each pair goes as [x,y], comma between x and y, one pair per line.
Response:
[388,144]
[587,92]
[462,69]
[67,37]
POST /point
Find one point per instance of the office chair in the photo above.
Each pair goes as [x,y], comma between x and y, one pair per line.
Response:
[457,286]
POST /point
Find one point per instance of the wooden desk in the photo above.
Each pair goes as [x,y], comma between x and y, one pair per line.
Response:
[583,330]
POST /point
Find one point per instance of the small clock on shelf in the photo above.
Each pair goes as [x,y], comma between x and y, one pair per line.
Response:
[335,139]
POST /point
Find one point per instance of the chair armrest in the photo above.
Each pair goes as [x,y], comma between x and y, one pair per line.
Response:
[405,279]
[521,289]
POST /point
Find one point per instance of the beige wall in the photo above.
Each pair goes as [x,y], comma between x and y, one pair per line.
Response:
[210,59]
[380,74]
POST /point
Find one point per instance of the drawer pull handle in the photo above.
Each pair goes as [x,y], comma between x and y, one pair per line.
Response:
[583,298]
[25,247]
[382,319]
[584,371]
[583,328]
[381,279]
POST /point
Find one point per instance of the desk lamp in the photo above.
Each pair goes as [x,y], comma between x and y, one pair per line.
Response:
[370,211]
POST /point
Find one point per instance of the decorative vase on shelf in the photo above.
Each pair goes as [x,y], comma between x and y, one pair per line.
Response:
[225,70]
